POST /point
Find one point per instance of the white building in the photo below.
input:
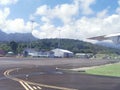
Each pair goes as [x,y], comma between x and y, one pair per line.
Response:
[62,53]
[48,54]
[30,52]
[34,53]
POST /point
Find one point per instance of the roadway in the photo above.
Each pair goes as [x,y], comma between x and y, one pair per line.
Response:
[41,74]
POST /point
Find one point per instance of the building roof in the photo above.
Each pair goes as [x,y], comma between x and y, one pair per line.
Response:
[63,50]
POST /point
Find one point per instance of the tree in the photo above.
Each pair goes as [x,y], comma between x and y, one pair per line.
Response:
[4,47]
[14,46]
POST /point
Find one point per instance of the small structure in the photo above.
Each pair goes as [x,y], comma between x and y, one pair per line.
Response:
[47,54]
[62,53]
[83,55]
[10,54]
[34,53]
[2,53]
[30,52]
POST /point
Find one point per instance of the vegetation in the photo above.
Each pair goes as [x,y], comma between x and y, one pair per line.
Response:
[107,70]
[75,46]
[14,46]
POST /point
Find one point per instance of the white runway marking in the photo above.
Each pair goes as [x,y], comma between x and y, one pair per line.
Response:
[30,88]
[34,87]
[23,85]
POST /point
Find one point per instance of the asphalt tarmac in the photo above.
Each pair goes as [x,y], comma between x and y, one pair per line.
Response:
[49,74]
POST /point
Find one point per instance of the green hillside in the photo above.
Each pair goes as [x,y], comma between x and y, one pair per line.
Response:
[75,46]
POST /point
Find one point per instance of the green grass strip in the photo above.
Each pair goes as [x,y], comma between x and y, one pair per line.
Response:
[106,70]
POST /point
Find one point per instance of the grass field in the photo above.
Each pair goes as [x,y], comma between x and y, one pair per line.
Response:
[106,70]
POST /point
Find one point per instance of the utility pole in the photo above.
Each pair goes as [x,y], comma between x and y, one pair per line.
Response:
[32,21]
[59,40]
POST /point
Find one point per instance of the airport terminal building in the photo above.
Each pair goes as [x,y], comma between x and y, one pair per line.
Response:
[62,53]
[57,53]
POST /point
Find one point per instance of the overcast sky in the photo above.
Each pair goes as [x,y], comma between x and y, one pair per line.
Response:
[74,19]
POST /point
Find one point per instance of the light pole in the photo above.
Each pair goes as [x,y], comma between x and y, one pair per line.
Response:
[59,40]
[32,21]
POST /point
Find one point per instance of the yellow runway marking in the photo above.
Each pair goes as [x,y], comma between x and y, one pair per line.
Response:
[31,85]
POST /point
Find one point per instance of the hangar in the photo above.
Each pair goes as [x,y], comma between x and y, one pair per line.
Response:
[62,53]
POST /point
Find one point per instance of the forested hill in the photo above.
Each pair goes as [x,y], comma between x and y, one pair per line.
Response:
[4,37]
[75,46]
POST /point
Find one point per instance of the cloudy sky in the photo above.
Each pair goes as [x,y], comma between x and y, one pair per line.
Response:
[74,19]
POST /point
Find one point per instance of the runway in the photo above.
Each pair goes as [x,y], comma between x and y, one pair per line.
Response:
[46,77]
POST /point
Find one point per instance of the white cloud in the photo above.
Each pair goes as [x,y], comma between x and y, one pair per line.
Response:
[42,10]
[63,12]
[45,19]
[72,28]
[103,13]
[75,28]
[7,2]
[3,15]
[7,25]
[38,34]
[17,25]
[66,12]
[82,28]
[12,26]
[85,6]
[118,2]
[118,9]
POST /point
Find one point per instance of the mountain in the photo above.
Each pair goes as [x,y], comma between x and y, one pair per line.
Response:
[16,37]
[75,46]
[69,44]
[109,44]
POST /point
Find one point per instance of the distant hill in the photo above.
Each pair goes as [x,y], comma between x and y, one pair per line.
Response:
[16,37]
[109,44]
[75,46]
